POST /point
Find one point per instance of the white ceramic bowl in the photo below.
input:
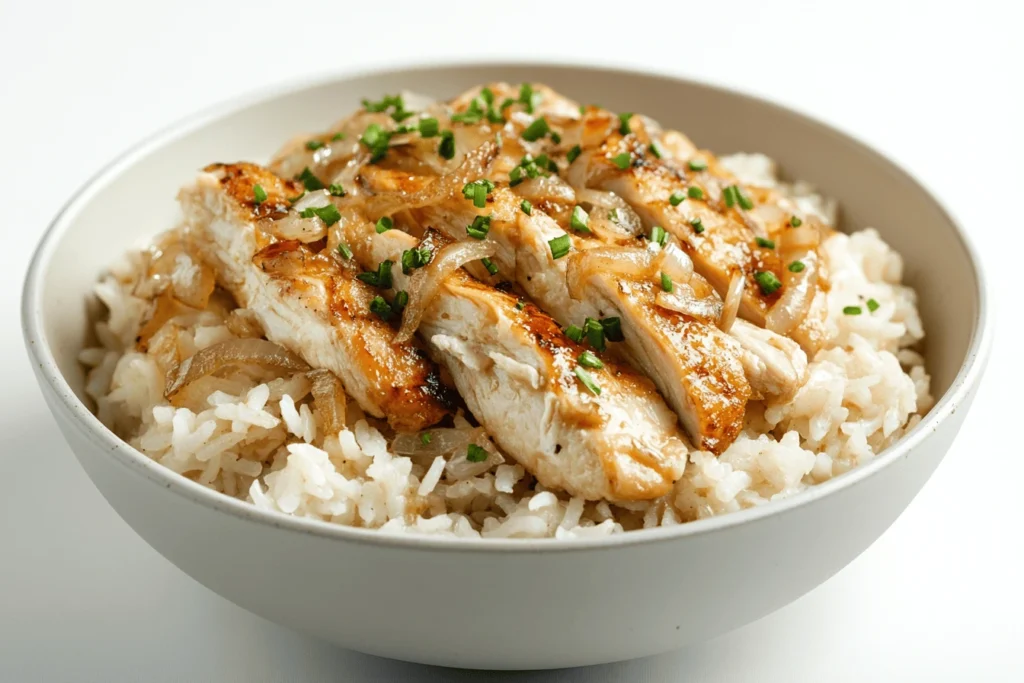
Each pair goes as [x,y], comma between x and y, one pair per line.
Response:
[490,603]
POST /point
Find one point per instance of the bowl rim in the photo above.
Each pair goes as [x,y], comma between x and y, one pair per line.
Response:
[89,425]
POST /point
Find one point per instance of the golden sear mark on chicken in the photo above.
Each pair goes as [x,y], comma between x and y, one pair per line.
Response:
[308,302]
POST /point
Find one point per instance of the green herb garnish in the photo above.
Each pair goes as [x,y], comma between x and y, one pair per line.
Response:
[796,267]
[328,214]
[677,198]
[428,127]
[698,227]
[694,193]
[425,438]
[765,243]
[376,139]
[588,381]
[574,333]
[259,195]
[622,160]
[612,329]
[697,165]
[579,220]
[573,153]
[624,123]
[560,246]
[477,192]
[594,332]
[589,359]
[345,251]
[659,235]
[313,145]
[795,221]
[479,228]
[767,281]
[381,278]
[384,223]
[489,265]
[475,453]
[536,130]
[415,258]
[526,207]
[447,147]
[309,181]
[873,305]
[851,310]
[666,282]
[336,190]
[379,306]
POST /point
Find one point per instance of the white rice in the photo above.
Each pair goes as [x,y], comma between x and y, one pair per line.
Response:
[254,436]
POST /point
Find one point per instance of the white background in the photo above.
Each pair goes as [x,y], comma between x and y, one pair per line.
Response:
[938,598]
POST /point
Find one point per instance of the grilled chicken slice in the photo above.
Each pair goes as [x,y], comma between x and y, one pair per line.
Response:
[723,239]
[306,302]
[513,366]
[775,365]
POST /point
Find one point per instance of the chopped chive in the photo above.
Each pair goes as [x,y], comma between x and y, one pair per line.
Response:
[479,228]
[528,97]
[473,114]
[768,282]
[697,165]
[795,221]
[381,308]
[259,194]
[447,147]
[384,223]
[745,203]
[851,310]
[666,282]
[507,102]
[573,153]
[415,258]
[574,333]
[336,190]
[425,438]
[729,195]
[589,359]
[624,123]
[612,329]
[873,305]
[381,278]
[622,160]
[345,251]
[376,139]
[556,138]
[310,181]
[428,127]
[694,192]
[400,302]
[765,243]
[579,219]
[489,265]
[588,381]
[583,109]
[488,95]
[292,200]
[337,136]
[655,148]
[698,227]
[477,191]
[594,332]
[796,267]
[312,145]
[526,206]
[536,130]
[475,453]
[560,246]
[328,214]
[520,305]
[659,235]
[677,198]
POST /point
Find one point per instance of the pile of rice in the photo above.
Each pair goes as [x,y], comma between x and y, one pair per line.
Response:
[253,435]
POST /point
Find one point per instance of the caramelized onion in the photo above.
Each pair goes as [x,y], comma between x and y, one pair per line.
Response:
[295,227]
[798,239]
[795,302]
[243,322]
[442,441]
[632,263]
[473,167]
[235,352]
[167,307]
[328,399]
[424,283]
[626,221]
[551,189]
[683,300]
[732,302]
[674,262]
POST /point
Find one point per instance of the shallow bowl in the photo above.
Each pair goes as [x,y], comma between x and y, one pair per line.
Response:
[509,603]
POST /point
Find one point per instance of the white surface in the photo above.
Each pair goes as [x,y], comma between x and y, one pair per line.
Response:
[939,597]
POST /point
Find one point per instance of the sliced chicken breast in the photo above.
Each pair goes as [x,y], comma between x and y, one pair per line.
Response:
[595,432]
[311,304]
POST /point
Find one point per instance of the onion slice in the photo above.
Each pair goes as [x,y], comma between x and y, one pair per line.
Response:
[235,352]
[629,262]
[683,300]
[424,283]
[328,399]
[626,221]
[732,302]
[792,307]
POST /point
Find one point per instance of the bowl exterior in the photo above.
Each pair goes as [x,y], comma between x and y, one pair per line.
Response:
[523,604]
[510,610]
